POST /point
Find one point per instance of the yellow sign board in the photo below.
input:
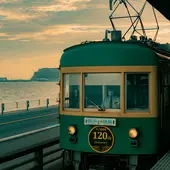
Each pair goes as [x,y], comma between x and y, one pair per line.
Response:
[101,139]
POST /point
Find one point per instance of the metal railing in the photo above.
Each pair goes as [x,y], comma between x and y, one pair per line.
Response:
[37,159]
[26,105]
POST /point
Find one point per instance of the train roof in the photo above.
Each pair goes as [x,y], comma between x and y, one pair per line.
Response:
[86,43]
[109,53]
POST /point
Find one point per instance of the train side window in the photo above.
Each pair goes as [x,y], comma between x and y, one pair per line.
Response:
[71,97]
[137,92]
[102,90]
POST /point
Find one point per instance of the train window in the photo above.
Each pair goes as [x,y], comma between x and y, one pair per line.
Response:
[102,90]
[137,92]
[71,97]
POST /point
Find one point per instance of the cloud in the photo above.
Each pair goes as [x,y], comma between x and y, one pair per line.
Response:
[19,10]
[17,14]
[9,1]
[57,8]
[68,5]
[72,28]
[164,31]
[56,32]
[3,34]
[28,10]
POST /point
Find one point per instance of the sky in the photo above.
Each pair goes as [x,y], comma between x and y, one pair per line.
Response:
[34,33]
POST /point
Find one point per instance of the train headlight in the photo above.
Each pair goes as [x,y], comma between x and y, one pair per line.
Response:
[133,133]
[71,130]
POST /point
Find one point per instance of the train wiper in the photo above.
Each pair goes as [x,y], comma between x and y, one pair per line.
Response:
[94,104]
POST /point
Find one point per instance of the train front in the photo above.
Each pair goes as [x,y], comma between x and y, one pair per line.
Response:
[108,108]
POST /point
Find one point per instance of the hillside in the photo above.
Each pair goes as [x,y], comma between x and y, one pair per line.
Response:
[46,74]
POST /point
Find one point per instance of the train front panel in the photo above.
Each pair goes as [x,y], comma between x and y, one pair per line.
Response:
[109,139]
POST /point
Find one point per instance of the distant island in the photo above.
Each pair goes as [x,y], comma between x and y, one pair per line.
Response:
[43,74]
[46,74]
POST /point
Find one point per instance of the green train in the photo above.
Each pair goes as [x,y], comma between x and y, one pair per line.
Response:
[114,105]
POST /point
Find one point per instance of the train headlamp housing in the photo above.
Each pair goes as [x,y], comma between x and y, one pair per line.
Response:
[133,133]
[71,130]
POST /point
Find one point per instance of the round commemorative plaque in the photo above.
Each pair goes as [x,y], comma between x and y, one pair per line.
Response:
[101,139]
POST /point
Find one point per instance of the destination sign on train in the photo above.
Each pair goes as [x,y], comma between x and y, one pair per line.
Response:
[99,121]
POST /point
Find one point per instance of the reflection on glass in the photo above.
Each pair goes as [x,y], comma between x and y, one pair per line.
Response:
[137,91]
[71,98]
[102,90]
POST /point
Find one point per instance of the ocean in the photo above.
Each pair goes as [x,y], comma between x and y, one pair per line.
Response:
[15,94]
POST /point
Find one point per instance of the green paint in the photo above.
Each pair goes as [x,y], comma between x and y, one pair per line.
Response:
[108,54]
[148,138]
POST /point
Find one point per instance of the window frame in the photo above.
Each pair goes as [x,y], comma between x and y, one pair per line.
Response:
[125,96]
[153,76]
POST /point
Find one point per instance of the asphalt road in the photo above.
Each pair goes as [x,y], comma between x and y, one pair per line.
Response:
[24,121]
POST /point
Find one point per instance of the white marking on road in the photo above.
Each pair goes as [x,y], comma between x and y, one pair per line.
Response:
[28,133]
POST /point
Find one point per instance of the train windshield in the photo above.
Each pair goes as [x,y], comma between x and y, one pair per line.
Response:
[102,90]
[137,92]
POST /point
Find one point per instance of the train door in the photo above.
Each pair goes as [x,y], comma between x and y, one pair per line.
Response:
[164,100]
[164,91]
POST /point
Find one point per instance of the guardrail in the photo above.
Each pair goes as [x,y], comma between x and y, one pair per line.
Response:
[29,104]
[35,156]
[37,159]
